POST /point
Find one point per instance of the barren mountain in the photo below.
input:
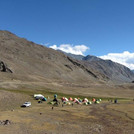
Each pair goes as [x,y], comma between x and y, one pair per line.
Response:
[28,62]
[112,70]
[24,60]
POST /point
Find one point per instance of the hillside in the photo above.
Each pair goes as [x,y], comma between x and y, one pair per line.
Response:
[114,71]
[23,61]
[31,62]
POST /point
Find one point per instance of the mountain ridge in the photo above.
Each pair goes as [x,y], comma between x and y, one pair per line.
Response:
[27,59]
[112,70]
[33,62]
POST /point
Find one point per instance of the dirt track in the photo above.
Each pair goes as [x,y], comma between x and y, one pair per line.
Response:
[114,122]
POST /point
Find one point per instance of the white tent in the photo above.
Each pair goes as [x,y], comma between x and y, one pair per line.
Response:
[38,96]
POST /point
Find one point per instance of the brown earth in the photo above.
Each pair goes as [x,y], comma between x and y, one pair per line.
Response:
[31,62]
[25,60]
[103,118]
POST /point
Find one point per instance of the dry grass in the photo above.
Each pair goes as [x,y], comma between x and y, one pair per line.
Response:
[80,119]
[127,109]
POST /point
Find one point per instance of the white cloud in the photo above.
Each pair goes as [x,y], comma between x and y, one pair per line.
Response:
[126,58]
[68,48]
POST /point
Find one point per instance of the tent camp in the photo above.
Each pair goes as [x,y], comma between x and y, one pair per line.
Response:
[64,99]
[70,99]
[85,100]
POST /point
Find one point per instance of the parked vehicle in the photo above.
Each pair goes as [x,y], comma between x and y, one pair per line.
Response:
[26,104]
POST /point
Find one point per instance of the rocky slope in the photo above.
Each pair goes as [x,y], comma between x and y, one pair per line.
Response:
[31,62]
[113,71]
[27,61]
[4,68]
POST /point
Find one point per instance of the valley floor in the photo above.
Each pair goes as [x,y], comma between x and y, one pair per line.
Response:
[103,118]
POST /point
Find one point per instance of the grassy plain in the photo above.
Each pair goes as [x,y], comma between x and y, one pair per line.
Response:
[103,118]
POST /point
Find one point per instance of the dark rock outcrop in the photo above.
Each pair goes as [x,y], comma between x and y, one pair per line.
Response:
[5,122]
[4,68]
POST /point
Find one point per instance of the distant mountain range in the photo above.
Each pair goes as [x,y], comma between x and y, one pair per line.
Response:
[114,71]
[26,61]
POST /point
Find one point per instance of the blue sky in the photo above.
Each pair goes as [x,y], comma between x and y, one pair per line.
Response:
[97,27]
